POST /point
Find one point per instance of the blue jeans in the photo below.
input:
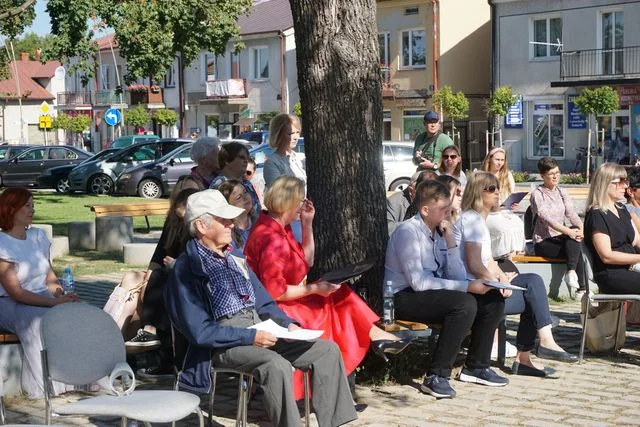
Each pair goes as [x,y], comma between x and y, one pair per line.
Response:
[533,307]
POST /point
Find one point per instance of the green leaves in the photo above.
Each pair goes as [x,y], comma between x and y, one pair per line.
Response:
[13,26]
[136,117]
[501,100]
[165,117]
[599,101]
[75,124]
[455,106]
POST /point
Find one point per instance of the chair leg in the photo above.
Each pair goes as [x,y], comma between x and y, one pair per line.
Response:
[3,419]
[123,422]
[585,308]
[200,417]
[214,376]
[305,376]
[617,345]
[240,411]
[502,342]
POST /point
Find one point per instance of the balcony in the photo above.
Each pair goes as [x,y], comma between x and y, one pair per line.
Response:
[108,97]
[152,96]
[74,99]
[593,66]
[388,90]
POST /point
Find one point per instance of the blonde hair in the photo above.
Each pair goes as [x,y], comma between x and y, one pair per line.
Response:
[278,129]
[458,168]
[472,196]
[284,194]
[598,191]
[502,175]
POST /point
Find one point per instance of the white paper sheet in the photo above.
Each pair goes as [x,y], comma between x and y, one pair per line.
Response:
[500,285]
[280,332]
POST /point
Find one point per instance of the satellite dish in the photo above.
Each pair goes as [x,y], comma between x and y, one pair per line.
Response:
[60,73]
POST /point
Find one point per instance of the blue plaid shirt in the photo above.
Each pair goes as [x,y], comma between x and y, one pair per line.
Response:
[218,180]
[228,287]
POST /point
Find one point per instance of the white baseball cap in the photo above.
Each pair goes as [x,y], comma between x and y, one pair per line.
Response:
[210,202]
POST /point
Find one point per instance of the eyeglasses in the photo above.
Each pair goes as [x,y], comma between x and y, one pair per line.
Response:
[553,173]
[450,156]
[492,188]
[620,181]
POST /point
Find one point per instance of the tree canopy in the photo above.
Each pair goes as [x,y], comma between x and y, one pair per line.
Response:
[149,34]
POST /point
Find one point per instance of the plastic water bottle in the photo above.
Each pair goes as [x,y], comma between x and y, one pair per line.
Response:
[67,281]
[388,315]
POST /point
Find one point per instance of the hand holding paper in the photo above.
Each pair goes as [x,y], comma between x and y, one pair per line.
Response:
[280,332]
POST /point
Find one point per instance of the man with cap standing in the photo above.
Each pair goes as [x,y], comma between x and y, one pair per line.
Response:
[429,145]
[212,299]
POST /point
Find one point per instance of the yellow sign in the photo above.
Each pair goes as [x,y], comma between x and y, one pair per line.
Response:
[45,122]
[45,108]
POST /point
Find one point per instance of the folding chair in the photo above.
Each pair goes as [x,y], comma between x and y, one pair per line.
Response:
[81,345]
[590,297]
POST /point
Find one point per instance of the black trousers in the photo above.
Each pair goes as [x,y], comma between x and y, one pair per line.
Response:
[154,313]
[457,312]
[562,246]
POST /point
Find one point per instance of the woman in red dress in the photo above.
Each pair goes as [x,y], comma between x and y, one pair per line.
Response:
[281,263]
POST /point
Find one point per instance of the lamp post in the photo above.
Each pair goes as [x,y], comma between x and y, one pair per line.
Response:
[181,114]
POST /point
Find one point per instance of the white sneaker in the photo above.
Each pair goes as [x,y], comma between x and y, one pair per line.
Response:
[510,350]
[571,279]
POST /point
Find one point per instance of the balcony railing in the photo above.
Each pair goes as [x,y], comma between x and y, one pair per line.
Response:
[387,89]
[593,64]
[226,89]
[108,97]
[74,98]
[149,96]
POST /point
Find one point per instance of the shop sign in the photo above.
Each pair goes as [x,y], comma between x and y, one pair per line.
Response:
[513,119]
[629,95]
[576,119]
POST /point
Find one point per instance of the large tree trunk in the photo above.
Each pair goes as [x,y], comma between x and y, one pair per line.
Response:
[340,92]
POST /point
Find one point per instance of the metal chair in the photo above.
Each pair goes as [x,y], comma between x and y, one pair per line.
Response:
[590,297]
[83,345]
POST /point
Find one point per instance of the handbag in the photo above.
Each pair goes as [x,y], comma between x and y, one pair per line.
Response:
[125,302]
[601,327]
[632,309]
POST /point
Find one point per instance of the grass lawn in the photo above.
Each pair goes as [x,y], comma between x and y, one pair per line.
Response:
[60,209]
[93,262]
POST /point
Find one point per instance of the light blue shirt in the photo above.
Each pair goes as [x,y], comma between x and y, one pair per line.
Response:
[418,259]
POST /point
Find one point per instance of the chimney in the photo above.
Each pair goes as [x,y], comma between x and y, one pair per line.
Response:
[37,54]
[24,56]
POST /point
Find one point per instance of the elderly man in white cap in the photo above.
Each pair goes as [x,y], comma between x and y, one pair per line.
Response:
[212,299]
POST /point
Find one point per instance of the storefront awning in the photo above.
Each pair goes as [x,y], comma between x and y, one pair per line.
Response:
[245,121]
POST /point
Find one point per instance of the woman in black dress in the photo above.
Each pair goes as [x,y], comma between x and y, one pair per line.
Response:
[609,233]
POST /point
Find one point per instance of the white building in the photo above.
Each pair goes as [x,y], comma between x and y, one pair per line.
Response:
[600,45]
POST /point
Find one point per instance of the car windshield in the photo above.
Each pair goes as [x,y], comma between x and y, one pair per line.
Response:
[102,155]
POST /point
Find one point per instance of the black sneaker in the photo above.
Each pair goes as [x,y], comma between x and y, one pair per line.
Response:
[156,374]
[437,387]
[482,376]
[143,339]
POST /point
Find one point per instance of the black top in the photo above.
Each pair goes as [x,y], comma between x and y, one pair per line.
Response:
[620,231]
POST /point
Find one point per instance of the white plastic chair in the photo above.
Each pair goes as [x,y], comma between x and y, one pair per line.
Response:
[82,345]
[590,297]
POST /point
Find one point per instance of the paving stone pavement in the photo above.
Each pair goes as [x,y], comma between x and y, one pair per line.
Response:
[604,390]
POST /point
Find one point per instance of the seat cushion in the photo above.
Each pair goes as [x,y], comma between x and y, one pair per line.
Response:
[155,406]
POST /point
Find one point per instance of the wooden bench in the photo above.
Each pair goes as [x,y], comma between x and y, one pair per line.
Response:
[7,337]
[144,209]
[551,270]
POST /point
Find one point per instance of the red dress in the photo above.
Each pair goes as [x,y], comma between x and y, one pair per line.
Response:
[278,260]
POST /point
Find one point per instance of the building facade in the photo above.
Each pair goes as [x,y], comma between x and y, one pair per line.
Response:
[549,51]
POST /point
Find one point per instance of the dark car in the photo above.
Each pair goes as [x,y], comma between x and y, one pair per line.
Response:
[8,151]
[260,137]
[157,179]
[99,176]
[58,177]
[23,170]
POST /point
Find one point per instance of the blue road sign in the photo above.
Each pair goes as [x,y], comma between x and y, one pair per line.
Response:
[112,117]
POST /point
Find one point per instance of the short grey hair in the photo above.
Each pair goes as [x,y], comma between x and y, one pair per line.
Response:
[206,218]
[203,146]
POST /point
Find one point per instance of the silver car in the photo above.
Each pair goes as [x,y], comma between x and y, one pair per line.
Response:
[397,160]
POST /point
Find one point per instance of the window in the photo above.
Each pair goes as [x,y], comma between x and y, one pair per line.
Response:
[37,154]
[210,67]
[183,157]
[612,42]
[412,123]
[548,130]
[413,48]
[105,83]
[383,49]
[402,153]
[235,66]
[61,153]
[260,58]
[547,30]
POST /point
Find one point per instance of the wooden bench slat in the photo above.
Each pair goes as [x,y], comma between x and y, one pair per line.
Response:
[8,338]
[538,259]
[131,209]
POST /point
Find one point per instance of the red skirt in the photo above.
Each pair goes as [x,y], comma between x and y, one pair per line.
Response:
[345,319]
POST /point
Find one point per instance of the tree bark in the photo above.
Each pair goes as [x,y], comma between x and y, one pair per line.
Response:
[340,92]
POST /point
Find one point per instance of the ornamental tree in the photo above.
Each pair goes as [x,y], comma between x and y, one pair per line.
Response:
[165,117]
[136,117]
[455,106]
[498,106]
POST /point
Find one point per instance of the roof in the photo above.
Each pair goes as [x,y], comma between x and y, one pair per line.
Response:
[104,42]
[28,72]
[267,16]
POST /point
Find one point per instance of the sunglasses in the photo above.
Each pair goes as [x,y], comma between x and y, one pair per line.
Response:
[459,192]
[248,173]
[450,156]
[492,188]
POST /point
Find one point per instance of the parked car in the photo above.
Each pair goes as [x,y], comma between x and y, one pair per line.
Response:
[263,151]
[156,179]
[23,169]
[58,177]
[98,177]
[8,151]
[398,165]
[261,137]
[128,140]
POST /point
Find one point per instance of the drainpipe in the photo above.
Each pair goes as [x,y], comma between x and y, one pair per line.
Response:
[284,97]
[494,54]
[436,36]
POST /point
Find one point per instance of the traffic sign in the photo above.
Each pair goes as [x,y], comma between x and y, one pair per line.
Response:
[45,108]
[112,117]
[45,122]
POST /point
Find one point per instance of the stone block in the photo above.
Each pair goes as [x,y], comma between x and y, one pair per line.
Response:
[10,368]
[82,235]
[138,253]
[552,275]
[112,232]
[59,247]
[47,228]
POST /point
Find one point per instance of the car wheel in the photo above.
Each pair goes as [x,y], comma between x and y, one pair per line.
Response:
[62,185]
[100,184]
[399,184]
[149,189]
